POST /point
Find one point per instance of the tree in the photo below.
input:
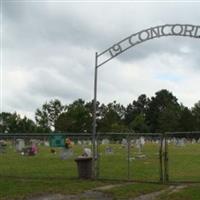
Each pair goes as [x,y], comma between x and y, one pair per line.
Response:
[168,119]
[186,120]
[26,125]
[111,118]
[163,112]
[196,114]
[135,116]
[9,122]
[13,123]
[76,119]
[49,113]
[139,124]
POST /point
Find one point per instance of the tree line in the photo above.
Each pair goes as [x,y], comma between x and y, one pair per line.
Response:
[159,113]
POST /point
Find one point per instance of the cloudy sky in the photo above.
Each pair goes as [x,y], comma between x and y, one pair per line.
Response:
[48,49]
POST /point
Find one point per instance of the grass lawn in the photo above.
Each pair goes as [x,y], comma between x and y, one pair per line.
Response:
[22,176]
[15,188]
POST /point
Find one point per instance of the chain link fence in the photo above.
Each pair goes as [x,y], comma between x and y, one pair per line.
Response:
[138,157]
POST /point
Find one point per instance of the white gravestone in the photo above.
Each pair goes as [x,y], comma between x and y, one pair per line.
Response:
[46,144]
[139,144]
[124,142]
[79,142]
[108,150]
[20,144]
[180,142]
[105,141]
[87,152]
[66,154]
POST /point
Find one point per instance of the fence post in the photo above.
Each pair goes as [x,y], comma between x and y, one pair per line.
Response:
[128,156]
[161,159]
[166,160]
[98,157]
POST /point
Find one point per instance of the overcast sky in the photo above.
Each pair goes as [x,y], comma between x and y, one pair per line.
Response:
[48,51]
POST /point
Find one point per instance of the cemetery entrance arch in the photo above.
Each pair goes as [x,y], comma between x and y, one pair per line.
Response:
[184,30]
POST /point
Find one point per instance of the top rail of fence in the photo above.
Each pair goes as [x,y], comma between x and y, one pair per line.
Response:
[101,134]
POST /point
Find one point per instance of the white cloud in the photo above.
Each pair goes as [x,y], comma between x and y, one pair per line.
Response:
[48,51]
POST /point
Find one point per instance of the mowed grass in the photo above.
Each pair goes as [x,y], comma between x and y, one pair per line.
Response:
[23,188]
[184,163]
[22,176]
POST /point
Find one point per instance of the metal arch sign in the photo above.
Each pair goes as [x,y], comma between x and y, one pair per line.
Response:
[186,30]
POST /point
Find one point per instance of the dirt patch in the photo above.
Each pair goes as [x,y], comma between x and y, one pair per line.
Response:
[89,195]
[98,194]
[150,196]
[55,197]
[94,194]
[108,187]
[154,195]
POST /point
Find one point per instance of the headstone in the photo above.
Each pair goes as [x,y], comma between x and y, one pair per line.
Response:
[180,142]
[34,141]
[132,143]
[84,142]
[87,152]
[3,146]
[193,141]
[140,156]
[46,144]
[66,154]
[79,142]
[174,140]
[142,140]
[124,142]
[157,141]
[105,141]
[139,145]
[57,140]
[89,142]
[109,150]
[20,145]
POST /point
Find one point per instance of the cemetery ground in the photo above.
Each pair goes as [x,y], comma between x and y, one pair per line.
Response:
[46,176]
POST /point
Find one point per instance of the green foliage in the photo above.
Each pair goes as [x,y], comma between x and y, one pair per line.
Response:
[135,116]
[160,113]
[13,123]
[196,114]
[111,118]
[77,118]
[139,124]
[47,116]
[186,120]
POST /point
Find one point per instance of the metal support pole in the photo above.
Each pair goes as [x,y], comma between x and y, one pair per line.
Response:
[94,155]
[128,156]
[166,160]
[98,156]
[161,159]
